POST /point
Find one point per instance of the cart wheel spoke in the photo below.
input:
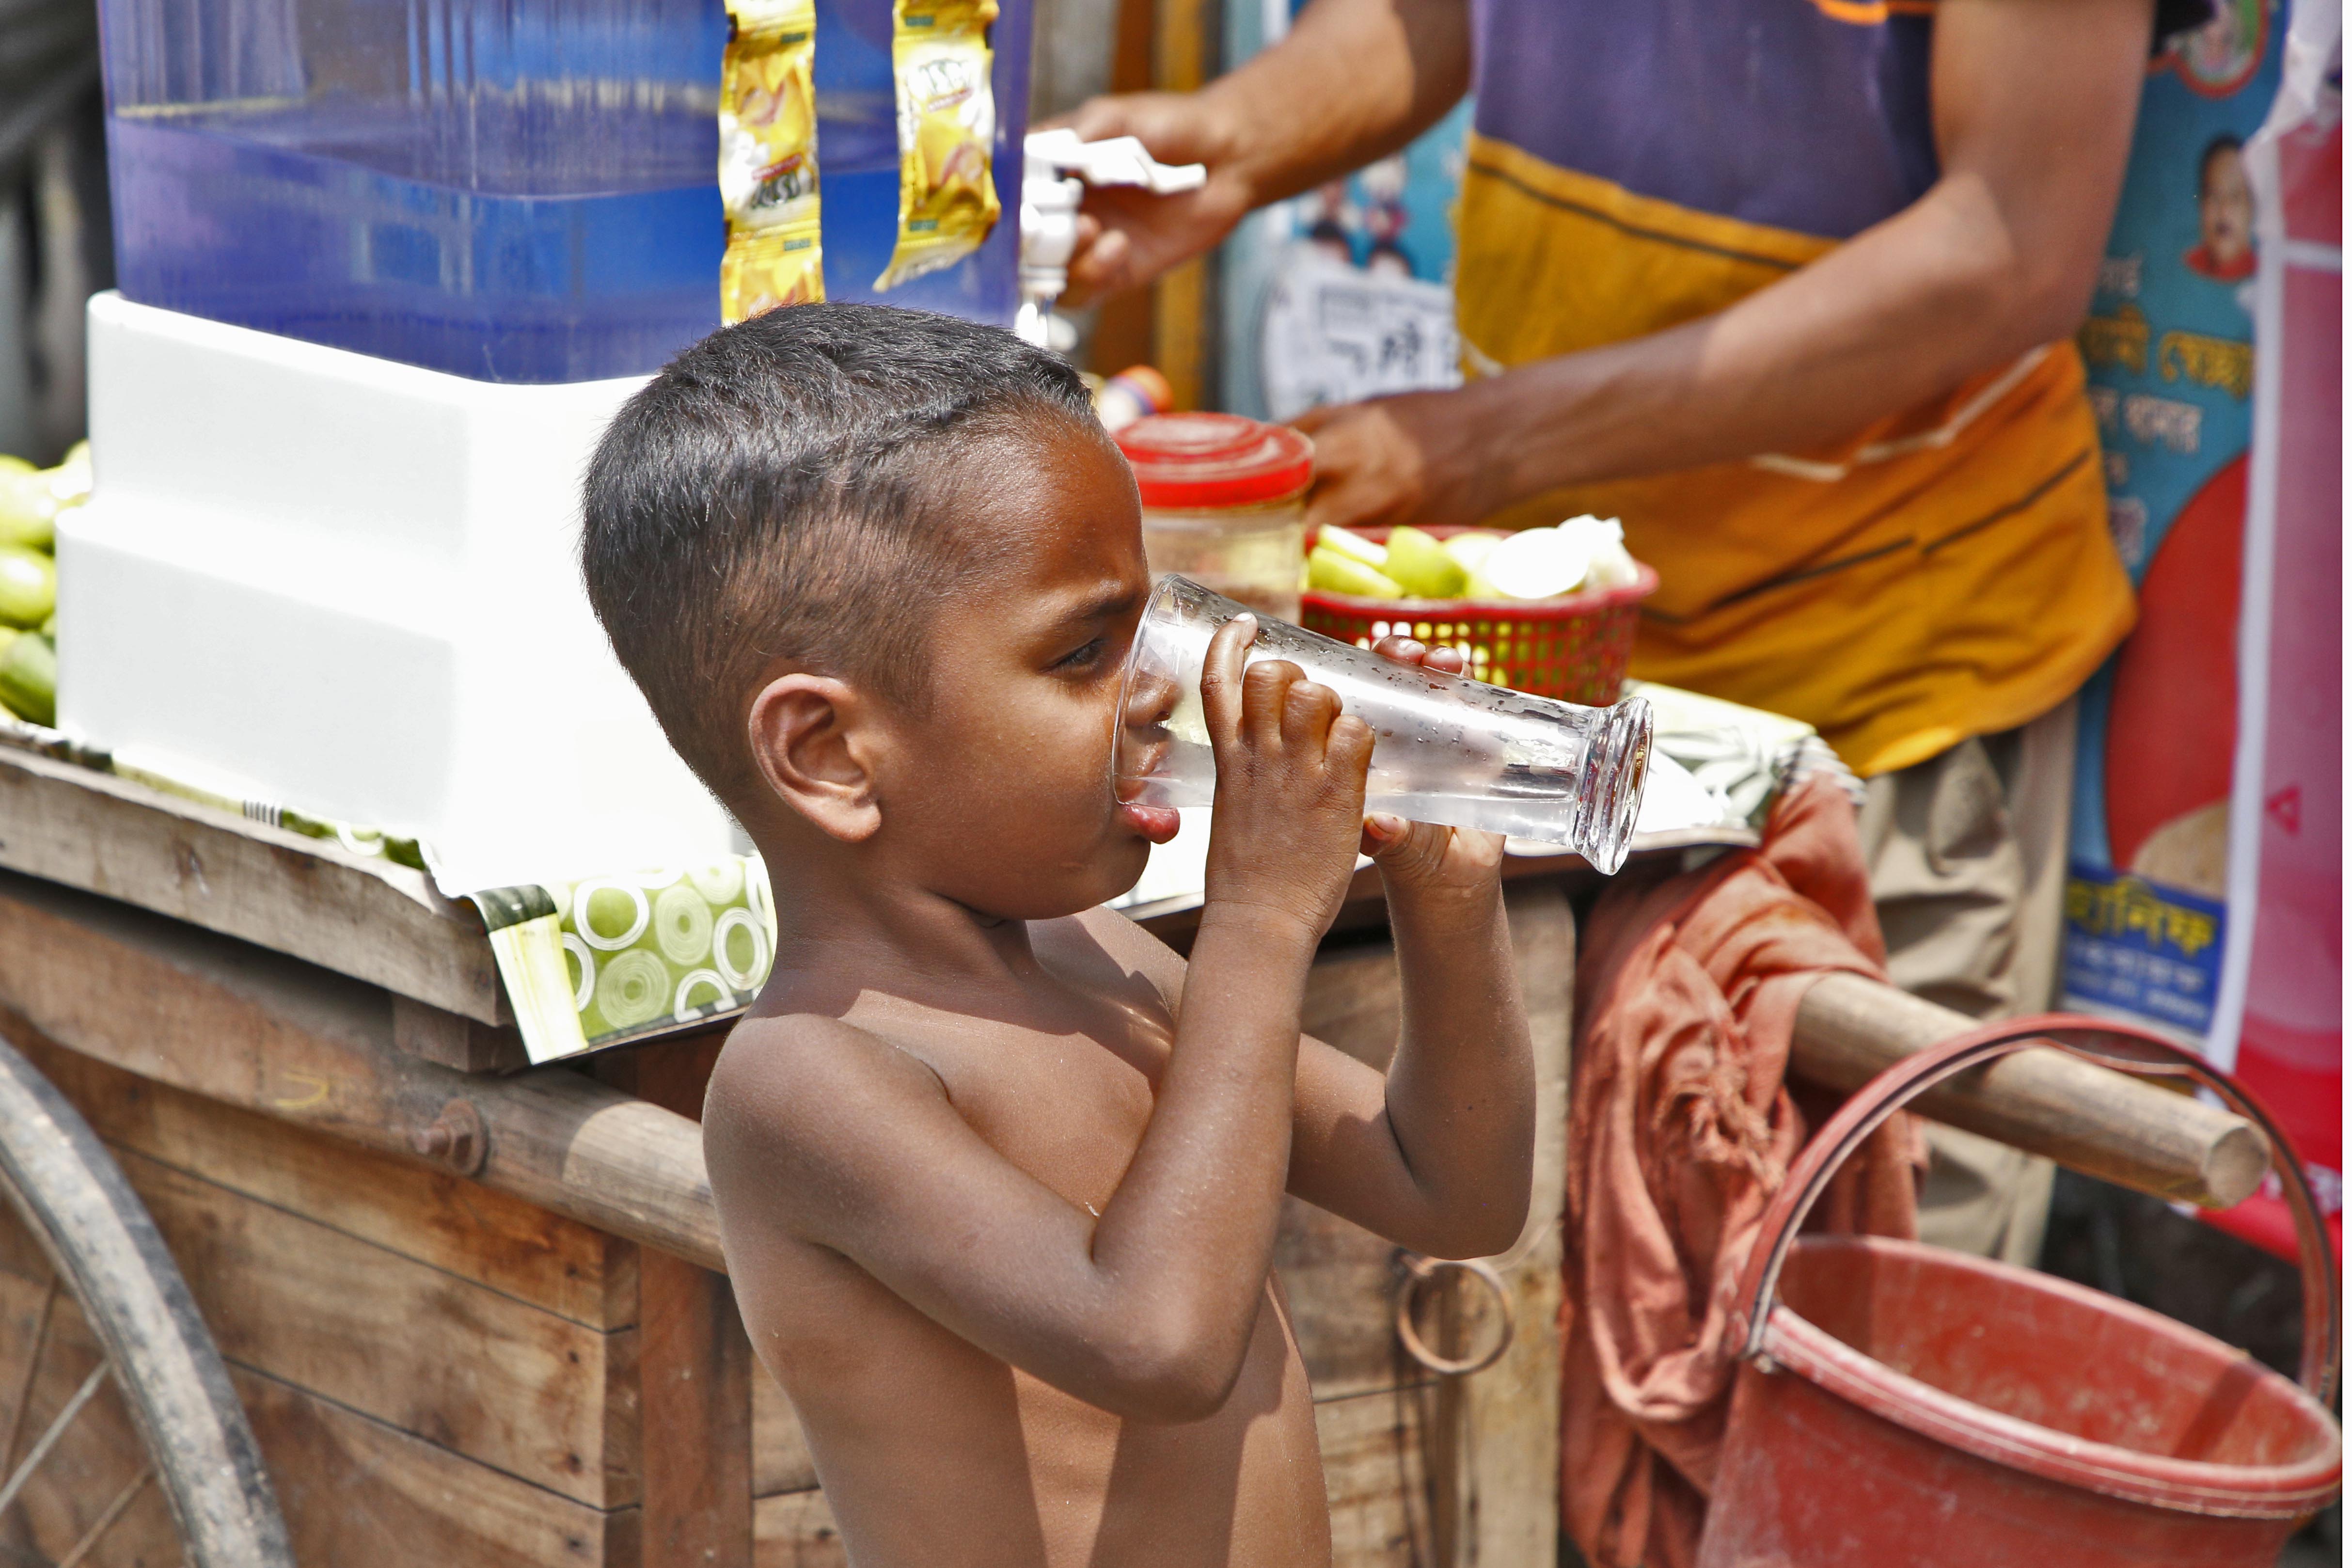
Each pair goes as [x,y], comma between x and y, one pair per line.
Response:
[32,1370]
[65,1418]
[110,1286]
[114,1510]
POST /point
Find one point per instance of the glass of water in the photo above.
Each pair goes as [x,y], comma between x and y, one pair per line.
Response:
[1445,749]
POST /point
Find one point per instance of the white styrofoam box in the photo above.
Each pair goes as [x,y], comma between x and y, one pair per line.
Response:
[351,587]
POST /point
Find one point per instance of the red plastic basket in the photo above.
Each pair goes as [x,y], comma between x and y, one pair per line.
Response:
[1575,648]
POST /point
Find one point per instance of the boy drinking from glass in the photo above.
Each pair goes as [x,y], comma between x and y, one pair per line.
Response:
[998,1174]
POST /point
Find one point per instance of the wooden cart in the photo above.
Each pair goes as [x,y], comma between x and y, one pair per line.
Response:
[368,1293]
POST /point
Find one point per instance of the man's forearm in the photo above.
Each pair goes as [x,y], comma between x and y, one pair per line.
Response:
[1906,311]
[1461,1090]
[2033,116]
[2034,106]
[1355,80]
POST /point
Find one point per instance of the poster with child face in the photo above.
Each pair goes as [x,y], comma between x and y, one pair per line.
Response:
[1345,291]
[2169,350]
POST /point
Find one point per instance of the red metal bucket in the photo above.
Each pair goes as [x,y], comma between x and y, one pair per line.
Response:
[1902,1405]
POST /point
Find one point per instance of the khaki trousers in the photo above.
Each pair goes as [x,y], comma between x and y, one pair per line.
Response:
[1967,853]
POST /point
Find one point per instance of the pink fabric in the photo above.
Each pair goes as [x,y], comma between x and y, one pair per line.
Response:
[1681,1129]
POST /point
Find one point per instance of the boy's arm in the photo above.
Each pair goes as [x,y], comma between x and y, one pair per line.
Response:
[1438,1154]
[819,1134]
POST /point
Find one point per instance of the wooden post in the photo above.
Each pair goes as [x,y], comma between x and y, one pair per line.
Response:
[1452,1491]
[1183,51]
[1511,1418]
[1122,325]
[694,1365]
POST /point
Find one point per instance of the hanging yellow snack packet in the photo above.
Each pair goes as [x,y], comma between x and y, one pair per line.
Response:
[947,127]
[767,158]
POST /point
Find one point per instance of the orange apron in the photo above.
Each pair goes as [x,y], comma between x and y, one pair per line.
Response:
[1947,572]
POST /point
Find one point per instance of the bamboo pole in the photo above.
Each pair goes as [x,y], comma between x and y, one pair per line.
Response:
[2087,1118]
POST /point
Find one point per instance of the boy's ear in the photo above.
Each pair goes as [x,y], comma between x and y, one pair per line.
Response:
[809,742]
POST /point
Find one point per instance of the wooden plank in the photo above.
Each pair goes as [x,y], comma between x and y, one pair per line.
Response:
[364,917]
[695,1404]
[796,1530]
[1375,1474]
[353,1489]
[781,1461]
[1511,1416]
[1487,1449]
[695,1371]
[357,1491]
[252,1028]
[452,1040]
[1342,1281]
[482,1374]
[1353,1001]
[430,1216]
[1341,1277]
[1511,1425]
[2087,1118]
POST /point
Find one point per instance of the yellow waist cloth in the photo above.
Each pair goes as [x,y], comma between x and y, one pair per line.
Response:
[1945,573]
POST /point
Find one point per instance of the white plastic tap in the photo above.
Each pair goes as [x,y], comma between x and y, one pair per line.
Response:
[1049,215]
[1049,237]
[1114,161]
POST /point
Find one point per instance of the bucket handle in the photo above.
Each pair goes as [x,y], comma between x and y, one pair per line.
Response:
[2107,1043]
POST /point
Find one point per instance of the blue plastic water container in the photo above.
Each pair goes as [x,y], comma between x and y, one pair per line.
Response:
[509,190]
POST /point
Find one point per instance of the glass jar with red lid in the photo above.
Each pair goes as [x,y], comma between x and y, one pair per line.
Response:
[1224,503]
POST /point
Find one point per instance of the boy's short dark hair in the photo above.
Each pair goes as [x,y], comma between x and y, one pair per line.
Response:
[781,489]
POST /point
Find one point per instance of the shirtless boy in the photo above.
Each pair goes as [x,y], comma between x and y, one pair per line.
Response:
[998,1174]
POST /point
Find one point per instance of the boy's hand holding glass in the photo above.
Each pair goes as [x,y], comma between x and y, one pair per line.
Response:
[1289,808]
[1427,858]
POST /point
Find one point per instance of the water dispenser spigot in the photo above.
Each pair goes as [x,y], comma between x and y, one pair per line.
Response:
[1049,237]
[1049,215]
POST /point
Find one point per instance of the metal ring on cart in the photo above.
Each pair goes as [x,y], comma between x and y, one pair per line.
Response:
[1416,1272]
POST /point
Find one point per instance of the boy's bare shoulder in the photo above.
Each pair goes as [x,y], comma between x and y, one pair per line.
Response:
[798,1086]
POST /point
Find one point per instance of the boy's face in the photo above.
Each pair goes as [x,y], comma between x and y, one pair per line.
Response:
[998,795]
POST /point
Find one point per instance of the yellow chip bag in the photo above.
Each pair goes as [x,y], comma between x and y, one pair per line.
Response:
[947,126]
[767,158]
[771,267]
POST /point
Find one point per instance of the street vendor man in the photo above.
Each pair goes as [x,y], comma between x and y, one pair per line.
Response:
[1789,287]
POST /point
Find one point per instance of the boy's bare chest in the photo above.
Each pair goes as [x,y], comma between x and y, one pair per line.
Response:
[1069,1106]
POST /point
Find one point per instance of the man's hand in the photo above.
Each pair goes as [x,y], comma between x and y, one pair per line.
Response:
[1128,236]
[1417,457]
[1355,80]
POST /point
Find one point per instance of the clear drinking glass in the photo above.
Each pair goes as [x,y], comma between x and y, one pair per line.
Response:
[1445,749]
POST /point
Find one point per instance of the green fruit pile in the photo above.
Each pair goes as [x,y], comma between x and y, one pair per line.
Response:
[30,501]
[1412,564]
[1576,557]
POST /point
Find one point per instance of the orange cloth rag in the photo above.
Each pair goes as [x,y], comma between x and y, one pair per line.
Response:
[1680,1128]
